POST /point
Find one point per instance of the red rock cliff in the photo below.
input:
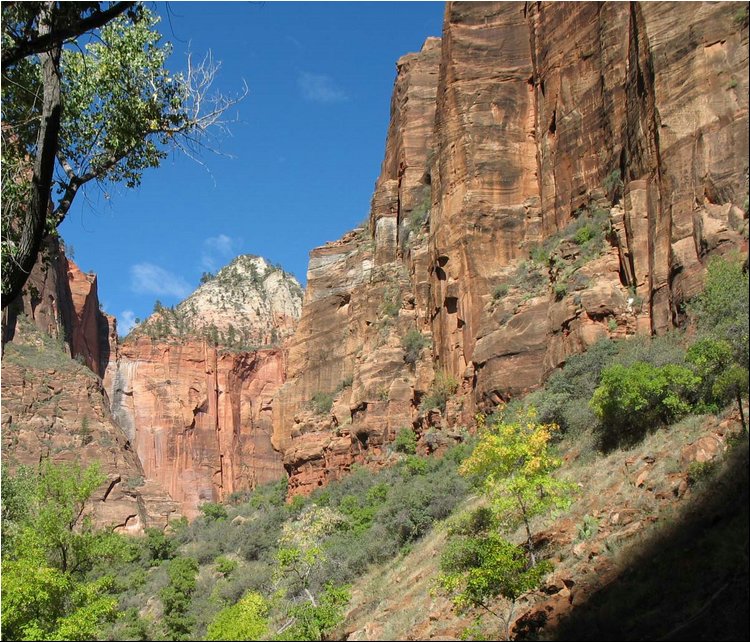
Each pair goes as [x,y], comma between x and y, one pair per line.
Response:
[54,405]
[523,119]
[198,418]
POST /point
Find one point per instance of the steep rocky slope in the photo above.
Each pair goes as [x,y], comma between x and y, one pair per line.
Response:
[193,392]
[640,515]
[553,174]
[54,406]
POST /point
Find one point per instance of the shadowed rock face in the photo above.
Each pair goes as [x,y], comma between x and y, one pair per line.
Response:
[518,120]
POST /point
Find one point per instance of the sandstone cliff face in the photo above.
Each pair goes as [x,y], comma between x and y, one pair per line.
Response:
[364,294]
[574,106]
[198,418]
[192,391]
[55,408]
[523,125]
[62,302]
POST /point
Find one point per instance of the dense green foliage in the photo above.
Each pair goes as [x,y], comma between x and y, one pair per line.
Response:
[254,567]
[49,553]
[632,399]
[723,307]
[246,620]
[405,442]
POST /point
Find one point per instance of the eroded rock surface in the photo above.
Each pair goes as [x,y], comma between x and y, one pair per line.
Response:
[523,124]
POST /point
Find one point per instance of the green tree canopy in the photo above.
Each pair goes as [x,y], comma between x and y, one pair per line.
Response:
[44,593]
[101,111]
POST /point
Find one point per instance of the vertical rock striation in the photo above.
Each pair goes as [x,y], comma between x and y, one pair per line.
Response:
[199,419]
[524,124]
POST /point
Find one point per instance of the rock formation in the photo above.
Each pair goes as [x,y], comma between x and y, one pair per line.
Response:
[193,392]
[580,163]
[199,418]
[54,405]
[190,392]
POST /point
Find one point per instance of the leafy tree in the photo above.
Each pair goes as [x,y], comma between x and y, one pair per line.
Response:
[733,384]
[160,546]
[722,310]
[44,593]
[631,399]
[477,569]
[313,621]
[176,597]
[109,109]
[246,620]
[514,466]
[710,357]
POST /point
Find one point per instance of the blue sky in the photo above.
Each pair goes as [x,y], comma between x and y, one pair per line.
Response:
[306,149]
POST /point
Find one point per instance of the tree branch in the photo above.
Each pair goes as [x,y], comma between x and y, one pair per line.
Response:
[55,38]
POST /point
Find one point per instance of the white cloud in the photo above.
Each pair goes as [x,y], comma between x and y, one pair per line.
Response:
[147,278]
[217,251]
[319,88]
[125,322]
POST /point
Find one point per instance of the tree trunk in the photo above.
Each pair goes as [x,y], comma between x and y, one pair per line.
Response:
[35,217]
[742,412]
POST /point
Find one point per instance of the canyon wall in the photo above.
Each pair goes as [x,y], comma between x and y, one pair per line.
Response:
[177,415]
[578,164]
[56,344]
[199,418]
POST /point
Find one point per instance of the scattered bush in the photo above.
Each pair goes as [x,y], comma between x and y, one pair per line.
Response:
[613,184]
[212,511]
[225,565]
[405,442]
[413,343]
[322,402]
[443,387]
[500,291]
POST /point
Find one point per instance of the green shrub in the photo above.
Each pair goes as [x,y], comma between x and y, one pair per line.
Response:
[443,387]
[225,565]
[413,344]
[499,291]
[632,400]
[322,402]
[212,511]
[613,183]
[160,547]
[709,358]
[345,383]
[560,291]
[722,309]
[405,442]
[584,235]
[246,620]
